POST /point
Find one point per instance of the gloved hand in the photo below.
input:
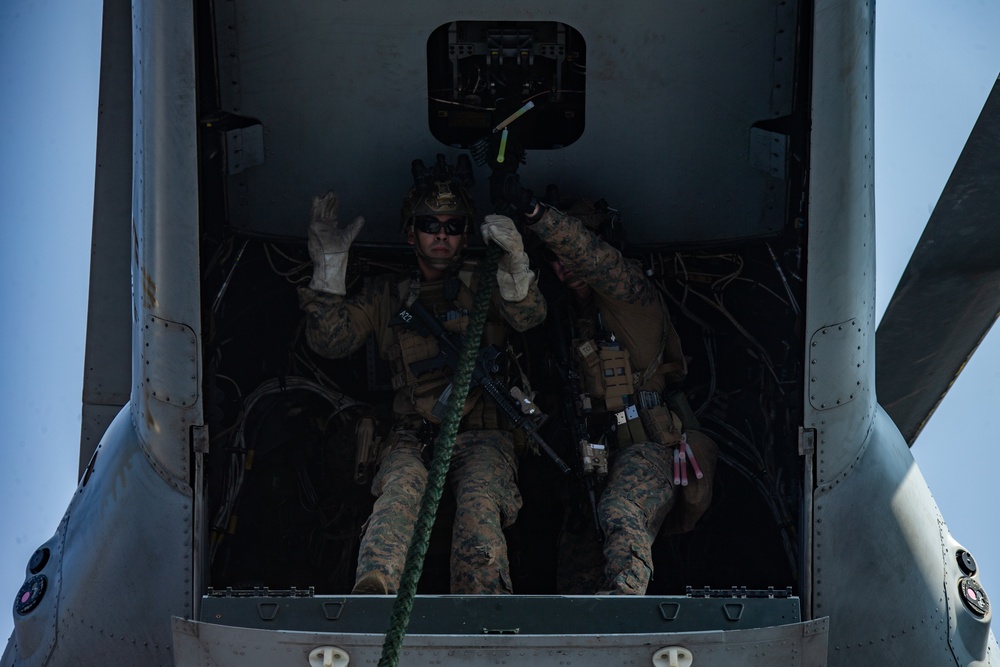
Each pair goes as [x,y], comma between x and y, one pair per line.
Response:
[328,245]
[513,275]
[506,188]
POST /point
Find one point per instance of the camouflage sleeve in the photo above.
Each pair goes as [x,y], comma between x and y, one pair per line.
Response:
[524,314]
[337,325]
[597,263]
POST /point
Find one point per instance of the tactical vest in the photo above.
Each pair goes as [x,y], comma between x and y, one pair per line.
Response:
[628,400]
[450,300]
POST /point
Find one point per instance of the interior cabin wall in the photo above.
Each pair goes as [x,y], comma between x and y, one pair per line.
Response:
[686,109]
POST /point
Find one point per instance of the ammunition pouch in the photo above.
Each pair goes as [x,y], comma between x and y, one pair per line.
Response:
[646,419]
[483,415]
[616,372]
[662,426]
[628,426]
[607,372]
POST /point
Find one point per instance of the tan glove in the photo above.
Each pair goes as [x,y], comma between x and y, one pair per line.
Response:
[328,245]
[513,275]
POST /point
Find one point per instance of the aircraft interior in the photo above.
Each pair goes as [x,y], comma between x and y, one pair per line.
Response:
[711,201]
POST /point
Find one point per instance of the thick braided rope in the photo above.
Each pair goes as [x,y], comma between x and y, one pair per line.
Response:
[440,463]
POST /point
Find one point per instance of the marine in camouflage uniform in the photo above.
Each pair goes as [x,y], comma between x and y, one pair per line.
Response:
[617,308]
[483,466]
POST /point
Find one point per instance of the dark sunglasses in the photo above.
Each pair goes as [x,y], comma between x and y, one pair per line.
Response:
[428,224]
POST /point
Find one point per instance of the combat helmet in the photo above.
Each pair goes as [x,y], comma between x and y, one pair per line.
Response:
[443,189]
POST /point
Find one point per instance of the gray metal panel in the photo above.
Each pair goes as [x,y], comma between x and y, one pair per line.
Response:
[95,422]
[949,295]
[120,565]
[166,284]
[523,614]
[877,529]
[884,566]
[344,106]
[837,365]
[792,645]
[107,371]
[841,231]
[170,362]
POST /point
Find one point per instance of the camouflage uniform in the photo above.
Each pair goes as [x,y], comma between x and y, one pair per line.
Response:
[639,492]
[483,466]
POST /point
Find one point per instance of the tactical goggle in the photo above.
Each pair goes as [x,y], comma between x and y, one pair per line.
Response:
[429,224]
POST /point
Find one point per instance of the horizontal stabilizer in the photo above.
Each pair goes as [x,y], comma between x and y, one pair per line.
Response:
[949,295]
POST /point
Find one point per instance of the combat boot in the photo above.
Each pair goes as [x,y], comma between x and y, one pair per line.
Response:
[371,583]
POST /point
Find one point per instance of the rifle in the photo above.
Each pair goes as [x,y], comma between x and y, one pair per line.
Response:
[419,319]
[592,460]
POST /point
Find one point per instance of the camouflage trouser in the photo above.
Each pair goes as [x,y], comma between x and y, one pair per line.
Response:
[638,497]
[483,480]
[580,561]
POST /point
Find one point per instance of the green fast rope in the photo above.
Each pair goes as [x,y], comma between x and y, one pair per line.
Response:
[440,463]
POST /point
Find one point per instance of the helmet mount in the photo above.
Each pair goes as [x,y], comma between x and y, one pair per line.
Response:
[439,190]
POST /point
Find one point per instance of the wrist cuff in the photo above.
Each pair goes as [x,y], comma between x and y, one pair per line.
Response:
[531,219]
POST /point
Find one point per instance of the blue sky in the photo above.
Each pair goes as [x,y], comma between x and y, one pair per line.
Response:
[49,61]
[935,64]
